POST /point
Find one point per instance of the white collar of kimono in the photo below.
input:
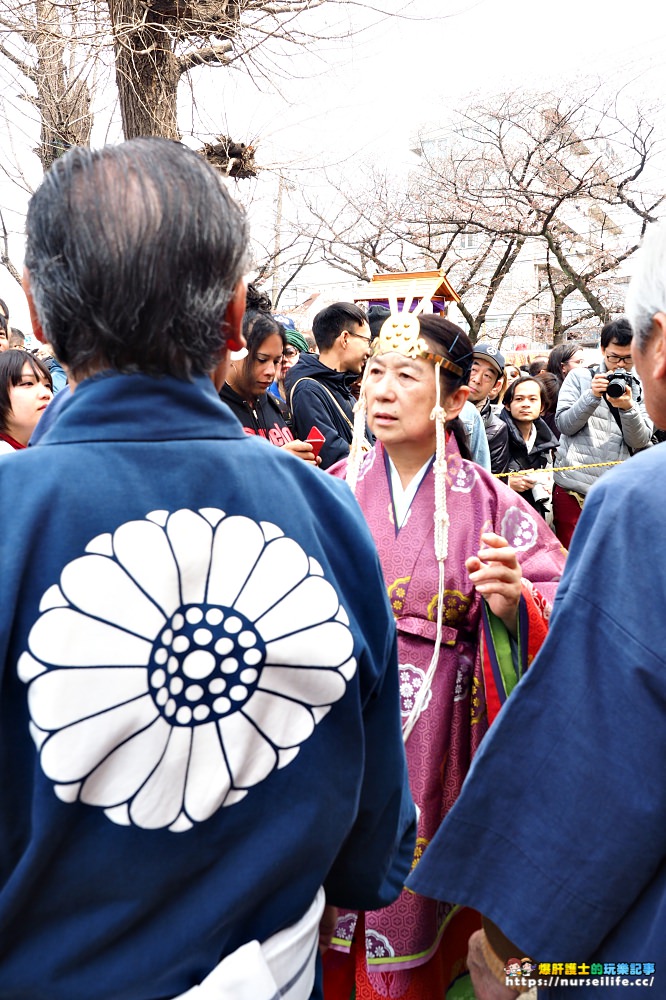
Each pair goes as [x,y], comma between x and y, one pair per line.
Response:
[402,497]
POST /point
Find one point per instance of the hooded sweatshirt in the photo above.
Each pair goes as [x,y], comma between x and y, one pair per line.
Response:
[321,397]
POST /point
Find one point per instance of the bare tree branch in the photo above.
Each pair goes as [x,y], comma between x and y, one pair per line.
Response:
[216,55]
[5,259]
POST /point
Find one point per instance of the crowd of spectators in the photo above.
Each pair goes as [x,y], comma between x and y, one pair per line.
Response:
[227,794]
[549,437]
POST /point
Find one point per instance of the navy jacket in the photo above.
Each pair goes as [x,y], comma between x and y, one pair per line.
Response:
[311,405]
[199,713]
[579,876]
[542,449]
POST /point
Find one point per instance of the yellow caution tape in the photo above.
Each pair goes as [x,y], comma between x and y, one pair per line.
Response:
[557,468]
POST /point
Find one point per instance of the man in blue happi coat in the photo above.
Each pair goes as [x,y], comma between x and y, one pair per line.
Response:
[558,835]
[199,710]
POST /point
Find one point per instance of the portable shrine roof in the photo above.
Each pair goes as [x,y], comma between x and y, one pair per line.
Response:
[419,284]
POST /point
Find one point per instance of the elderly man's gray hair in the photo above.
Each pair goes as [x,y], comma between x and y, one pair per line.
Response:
[647,290]
[134,252]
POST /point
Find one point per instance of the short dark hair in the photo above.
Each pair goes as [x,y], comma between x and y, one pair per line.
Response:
[12,363]
[134,252]
[330,322]
[618,330]
[508,395]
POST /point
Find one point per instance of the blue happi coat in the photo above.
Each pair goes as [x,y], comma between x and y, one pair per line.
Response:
[199,707]
[558,834]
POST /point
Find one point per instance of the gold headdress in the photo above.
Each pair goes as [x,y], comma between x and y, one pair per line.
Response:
[401,333]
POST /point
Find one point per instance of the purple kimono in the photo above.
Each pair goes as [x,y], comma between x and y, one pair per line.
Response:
[454,717]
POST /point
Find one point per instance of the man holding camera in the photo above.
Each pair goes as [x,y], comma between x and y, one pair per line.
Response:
[602,419]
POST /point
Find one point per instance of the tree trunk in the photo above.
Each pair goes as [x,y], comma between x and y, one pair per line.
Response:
[147,71]
[558,333]
[473,322]
[63,101]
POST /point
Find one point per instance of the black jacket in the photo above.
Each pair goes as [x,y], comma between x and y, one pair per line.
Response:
[498,439]
[263,419]
[536,458]
[311,405]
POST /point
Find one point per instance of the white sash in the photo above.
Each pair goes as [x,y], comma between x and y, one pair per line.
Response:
[282,968]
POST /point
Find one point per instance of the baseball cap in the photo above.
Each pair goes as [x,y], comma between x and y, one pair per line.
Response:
[486,352]
[286,321]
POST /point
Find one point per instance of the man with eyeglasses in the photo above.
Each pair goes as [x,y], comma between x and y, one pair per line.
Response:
[596,426]
[319,388]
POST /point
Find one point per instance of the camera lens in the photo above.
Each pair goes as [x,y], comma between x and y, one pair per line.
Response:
[616,386]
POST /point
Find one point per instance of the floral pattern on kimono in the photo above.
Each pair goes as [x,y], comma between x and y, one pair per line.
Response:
[477,668]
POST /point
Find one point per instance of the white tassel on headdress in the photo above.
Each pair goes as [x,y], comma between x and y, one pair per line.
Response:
[441,518]
[356,449]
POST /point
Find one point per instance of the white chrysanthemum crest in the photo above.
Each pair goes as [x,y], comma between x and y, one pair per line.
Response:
[179,662]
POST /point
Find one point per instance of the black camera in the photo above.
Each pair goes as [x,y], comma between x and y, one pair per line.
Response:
[618,382]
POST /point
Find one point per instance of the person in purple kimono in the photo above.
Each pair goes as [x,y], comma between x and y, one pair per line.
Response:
[470,589]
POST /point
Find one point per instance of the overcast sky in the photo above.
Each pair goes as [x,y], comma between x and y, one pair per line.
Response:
[382,83]
[363,97]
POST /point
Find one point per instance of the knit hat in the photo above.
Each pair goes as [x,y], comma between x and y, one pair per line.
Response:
[286,321]
[297,340]
[376,317]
